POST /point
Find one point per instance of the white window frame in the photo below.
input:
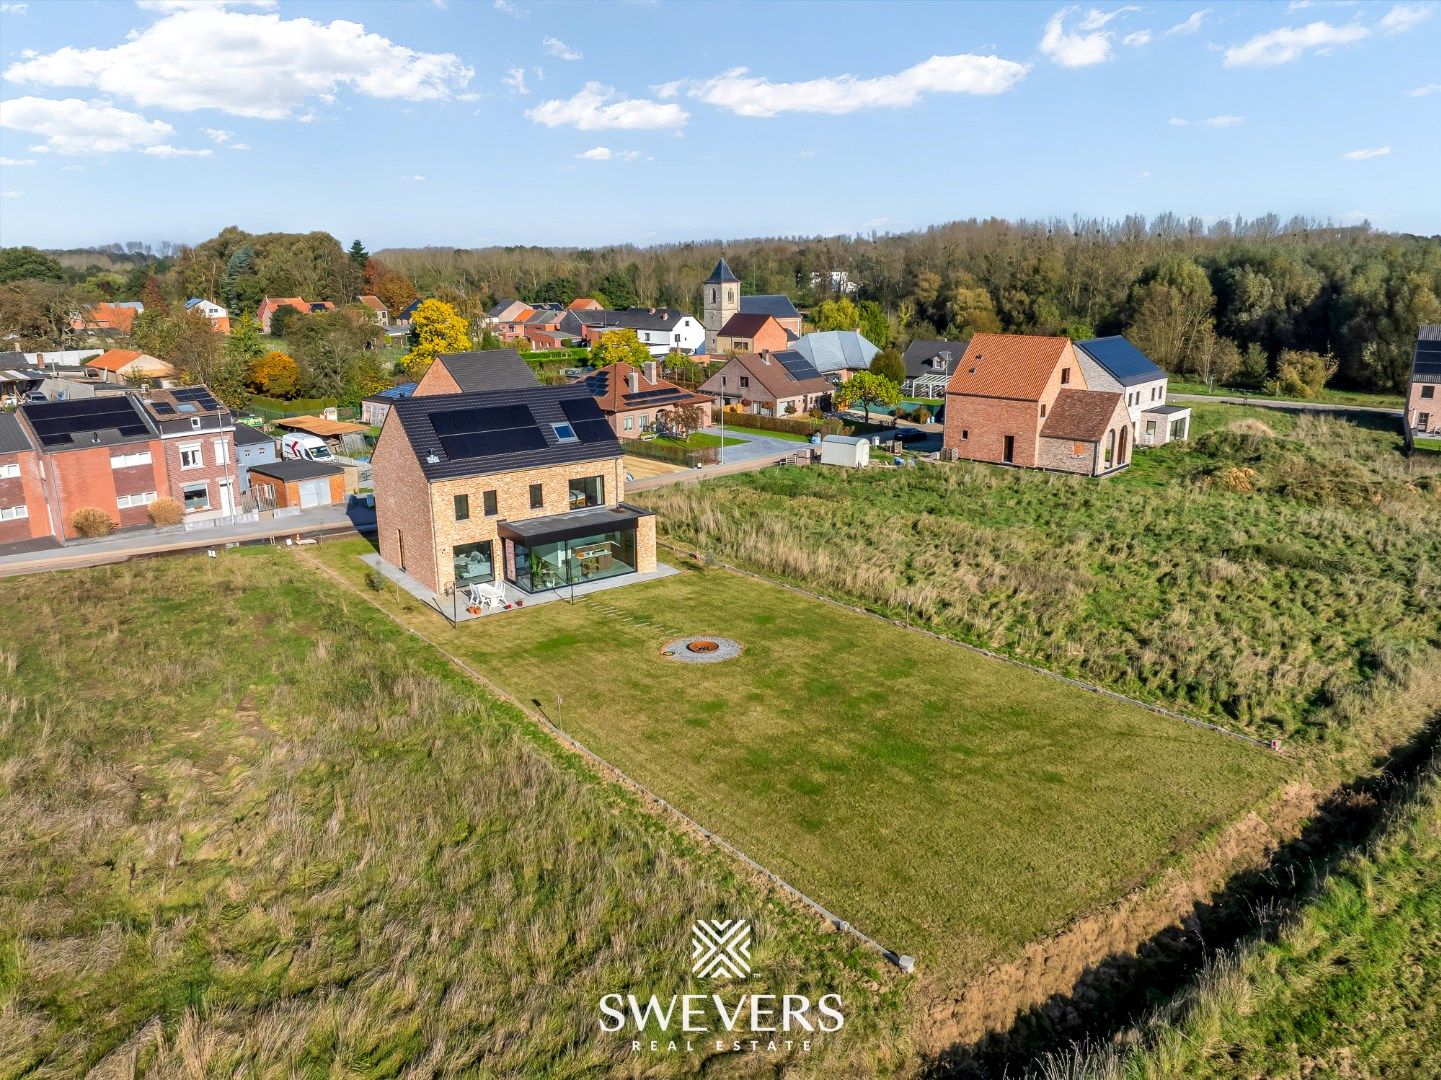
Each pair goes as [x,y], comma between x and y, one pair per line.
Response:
[10,470]
[144,498]
[222,457]
[192,487]
[128,461]
[14,513]
[198,449]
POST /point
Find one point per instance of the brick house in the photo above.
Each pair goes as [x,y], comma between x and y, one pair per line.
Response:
[523,487]
[1013,400]
[377,305]
[197,437]
[297,483]
[486,369]
[1423,397]
[24,514]
[636,400]
[768,384]
[752,333]
[99,452]
[122,366]
[1113,363]
[777,307]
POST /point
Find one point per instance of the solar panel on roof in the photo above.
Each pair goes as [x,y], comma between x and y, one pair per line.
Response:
[493,418]
[592,430]
[1427,358]
[798,366]
[484,444]
[580,408]
[57,421]
[164,408]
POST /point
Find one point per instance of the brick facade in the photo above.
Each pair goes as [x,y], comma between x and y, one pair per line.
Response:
[81,478]
[278,492]
[436,380]
[977,427]
[1089,458]
[25,490]
[1419,406]
[217,465]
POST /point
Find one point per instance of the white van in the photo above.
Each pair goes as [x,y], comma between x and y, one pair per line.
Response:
[302,447]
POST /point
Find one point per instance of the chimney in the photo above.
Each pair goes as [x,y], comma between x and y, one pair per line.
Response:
[634,379]
[650,371]
[765,356]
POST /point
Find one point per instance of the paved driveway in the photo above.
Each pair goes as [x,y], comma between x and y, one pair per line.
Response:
[755,447]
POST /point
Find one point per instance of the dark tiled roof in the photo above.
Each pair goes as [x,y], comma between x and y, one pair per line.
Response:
[478,433]
[774,376]
[489,369]
[919,353]
[744,326]
[721,274]
[635,318]
[13,436]
[1081,415]
[245,435]
[775,305]
[295,469]
[611,389]
[1127,364]
[13,360]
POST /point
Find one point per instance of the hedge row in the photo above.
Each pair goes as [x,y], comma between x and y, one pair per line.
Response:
[807,426]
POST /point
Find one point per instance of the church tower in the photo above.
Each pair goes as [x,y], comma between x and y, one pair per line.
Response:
[720,299]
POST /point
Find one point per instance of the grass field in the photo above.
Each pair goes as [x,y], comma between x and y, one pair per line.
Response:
[952,806]
[1349,987]
[1328,396]
[253,828]
[788,436]
[1278,573]
[697,440]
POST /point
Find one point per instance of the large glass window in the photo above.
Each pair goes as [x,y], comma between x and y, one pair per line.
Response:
[473,563]
[574,562]
[196,496]
[537,497]
[587,491]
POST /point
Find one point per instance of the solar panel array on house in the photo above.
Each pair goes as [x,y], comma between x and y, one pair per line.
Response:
[587,420]
[1426,361]
[797,365]
[60,422]
[498,429]
[199,395]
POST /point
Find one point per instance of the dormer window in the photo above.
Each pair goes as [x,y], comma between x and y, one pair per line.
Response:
[1065,376]
[564,433]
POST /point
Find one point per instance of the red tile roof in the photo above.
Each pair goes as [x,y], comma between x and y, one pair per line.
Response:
[372,302]
[1009,366]
[110,317]
[745,326]
[613,381]
[114,359]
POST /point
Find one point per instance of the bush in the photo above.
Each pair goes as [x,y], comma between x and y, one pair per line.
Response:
[91,521]
[825,426]
[166,512]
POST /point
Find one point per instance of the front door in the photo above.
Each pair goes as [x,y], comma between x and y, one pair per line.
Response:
[227,501]
[1009,456]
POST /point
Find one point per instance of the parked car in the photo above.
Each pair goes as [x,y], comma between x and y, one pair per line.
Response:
[908,434]
[36,395]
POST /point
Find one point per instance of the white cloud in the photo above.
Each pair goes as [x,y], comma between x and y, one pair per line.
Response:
[169,7]
[247,64]
[10,8]
[1095,20]
[1291,42]
[605,153]
[750,95]
[72,168]
[11,162]
[238,146]
[515,79]
[72,126]
[1210,122]
[1190,24]
[1366,154]
[505,7]
[11,194]
[556,47]
[1071,49]
[1144,174]
[1423,91]
[417,178]
[883,224]
[219,135]
[591,109]
[1137,37]
[1404,17]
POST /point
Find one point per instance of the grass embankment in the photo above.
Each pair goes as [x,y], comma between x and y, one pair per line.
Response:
[1327,396]
[1350,986]
[254,828]
[788,436]
[1278,573]
[953,806]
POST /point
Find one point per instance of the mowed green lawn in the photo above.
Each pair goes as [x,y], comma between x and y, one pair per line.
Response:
[952,806]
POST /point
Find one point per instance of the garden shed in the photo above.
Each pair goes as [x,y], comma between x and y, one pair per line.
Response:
[850,451]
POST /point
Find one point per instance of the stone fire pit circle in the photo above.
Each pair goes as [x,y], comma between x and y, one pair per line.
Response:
[702,650]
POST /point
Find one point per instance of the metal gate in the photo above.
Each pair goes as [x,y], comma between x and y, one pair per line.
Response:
[314,492]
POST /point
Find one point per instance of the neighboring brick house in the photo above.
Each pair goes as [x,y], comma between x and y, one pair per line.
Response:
[24,514]
[1000,402]
[486,369]
[636,400]
[1423,398]
[377,305]
[252,447]
[269,307]
[522,487]
[99,452]
[123,366]
[661,330]
[1113,363]
[778,307]
[197,433]
[297,483]
[110,319]
[768,384]
[752,333]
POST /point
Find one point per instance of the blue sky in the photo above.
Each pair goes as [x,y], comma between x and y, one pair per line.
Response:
[505,121]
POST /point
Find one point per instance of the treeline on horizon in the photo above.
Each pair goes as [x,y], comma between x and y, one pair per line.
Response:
[1239,302]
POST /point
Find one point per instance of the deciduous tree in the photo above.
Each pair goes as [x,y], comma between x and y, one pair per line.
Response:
[619,346]
[275,375]
[866,389]
[436,329]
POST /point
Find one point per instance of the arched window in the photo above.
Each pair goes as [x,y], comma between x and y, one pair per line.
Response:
[1110,447]
[1125,445]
